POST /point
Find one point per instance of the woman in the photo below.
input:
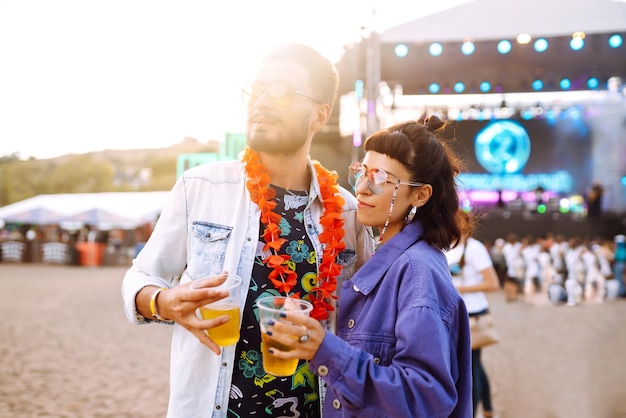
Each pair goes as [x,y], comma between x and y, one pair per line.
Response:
[476,276]
[402,347]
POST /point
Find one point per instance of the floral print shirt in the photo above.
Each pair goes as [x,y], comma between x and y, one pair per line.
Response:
[254,392]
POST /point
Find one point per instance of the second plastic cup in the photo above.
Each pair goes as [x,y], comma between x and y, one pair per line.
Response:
[270,309]
[228,333]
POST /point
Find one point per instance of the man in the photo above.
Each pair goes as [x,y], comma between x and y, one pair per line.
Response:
[276,219]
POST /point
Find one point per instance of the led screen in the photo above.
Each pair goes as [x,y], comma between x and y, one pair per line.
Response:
[523,154]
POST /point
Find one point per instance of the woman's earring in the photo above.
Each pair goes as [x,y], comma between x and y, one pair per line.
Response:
[409,216]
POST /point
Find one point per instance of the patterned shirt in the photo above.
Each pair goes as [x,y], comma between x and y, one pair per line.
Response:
[254,392]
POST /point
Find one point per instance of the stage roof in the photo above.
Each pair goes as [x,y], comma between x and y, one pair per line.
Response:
[497,19]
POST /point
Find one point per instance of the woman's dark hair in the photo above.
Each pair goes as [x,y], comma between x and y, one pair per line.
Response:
[418,147]
[323,74]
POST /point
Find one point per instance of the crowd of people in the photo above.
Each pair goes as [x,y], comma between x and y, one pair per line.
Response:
[31,244]
[569,270]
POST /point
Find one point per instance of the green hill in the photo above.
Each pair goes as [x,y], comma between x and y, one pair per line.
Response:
[104,171]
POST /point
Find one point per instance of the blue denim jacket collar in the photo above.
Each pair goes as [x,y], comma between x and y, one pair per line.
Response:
[386,255]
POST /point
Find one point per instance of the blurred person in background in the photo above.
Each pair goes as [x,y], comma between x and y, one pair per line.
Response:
[594,200]
[476,276]
[619,262]
[575,271]
[530,252]
[557,249]
[514,267]
[499,261]
[595,282]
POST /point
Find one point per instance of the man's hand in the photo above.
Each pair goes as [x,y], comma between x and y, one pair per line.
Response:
[179,304]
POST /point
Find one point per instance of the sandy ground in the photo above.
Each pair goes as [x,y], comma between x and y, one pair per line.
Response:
[67,350]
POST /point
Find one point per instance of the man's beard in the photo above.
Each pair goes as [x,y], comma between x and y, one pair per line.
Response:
[279,143]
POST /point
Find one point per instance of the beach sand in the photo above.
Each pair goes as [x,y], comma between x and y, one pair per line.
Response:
[67,350]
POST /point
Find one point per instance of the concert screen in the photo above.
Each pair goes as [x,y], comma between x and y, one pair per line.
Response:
[523,155]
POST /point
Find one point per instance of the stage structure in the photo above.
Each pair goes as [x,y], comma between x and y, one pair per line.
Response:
[539,116]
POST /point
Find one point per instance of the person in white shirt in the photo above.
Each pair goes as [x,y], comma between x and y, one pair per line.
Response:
[529,253]
[514,267]
[575,271]
[557,252]
[595,282]
[475,277]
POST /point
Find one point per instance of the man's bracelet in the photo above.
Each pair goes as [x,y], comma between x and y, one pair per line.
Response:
[153,308]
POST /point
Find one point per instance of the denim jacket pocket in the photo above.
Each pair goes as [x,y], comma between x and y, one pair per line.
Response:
[347,260]
[209,242]
[383,350]
[381,346]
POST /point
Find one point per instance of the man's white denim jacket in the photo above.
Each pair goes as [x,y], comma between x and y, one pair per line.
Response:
[209,225]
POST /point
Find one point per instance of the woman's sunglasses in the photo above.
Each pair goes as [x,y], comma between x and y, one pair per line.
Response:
[376,178]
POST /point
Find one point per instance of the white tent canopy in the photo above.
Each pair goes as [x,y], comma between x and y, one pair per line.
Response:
[497,19]
[132,208]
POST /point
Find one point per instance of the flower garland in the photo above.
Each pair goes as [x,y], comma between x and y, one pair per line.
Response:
[282,277]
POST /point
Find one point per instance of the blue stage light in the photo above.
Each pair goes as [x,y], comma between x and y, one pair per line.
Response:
[593,83]
[434,88]
[401,50]
[572,113]
[527,114]
[504,47]
[576,43]
[565,84]
[468,48]
[541,45]
[435,49]
[537,85]
[459,87]
[615,41]
[485,86]
[358,89]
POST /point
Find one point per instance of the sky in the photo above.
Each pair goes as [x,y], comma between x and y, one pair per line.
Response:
[87,75]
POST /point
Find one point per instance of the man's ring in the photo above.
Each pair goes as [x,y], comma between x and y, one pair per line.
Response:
[304,338]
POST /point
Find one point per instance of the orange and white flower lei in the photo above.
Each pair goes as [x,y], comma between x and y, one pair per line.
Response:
[282,277]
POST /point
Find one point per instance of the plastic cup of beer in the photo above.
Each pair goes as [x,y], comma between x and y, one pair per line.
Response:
[270,308]
[228,333]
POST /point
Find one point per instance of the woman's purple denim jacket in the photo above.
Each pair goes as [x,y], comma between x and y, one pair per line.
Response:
[402,347]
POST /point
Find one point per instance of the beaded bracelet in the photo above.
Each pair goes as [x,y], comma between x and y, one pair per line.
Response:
[153,309]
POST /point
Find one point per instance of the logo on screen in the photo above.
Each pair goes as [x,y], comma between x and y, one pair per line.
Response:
[502,147]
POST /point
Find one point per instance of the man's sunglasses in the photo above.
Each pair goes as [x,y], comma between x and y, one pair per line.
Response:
[281,94]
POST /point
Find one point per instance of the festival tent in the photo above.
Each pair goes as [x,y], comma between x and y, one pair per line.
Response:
[35,216]
[100,217]
[103,210]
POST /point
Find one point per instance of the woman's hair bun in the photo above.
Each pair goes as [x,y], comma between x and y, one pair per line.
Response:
[433,123]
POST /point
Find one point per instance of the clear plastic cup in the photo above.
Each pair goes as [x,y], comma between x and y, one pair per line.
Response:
[228,333]
[270,309]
